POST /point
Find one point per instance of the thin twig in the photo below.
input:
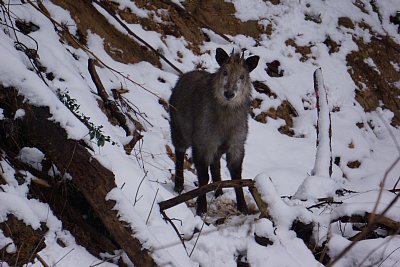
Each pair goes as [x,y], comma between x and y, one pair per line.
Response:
[19,251]
[175,229]
[385,243]
[325,249]
[137,191]
[364,232]
[382,183]
[36,248]
[70,161]
[62,257]
[388,256]
[219,186]
[152,205]
[197,238]
[394,189]
[42,261]
[106,260]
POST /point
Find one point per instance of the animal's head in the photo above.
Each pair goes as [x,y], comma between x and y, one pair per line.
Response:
[232,85]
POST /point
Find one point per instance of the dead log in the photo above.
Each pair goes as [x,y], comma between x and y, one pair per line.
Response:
[94,180]
[323,158]
[262,206]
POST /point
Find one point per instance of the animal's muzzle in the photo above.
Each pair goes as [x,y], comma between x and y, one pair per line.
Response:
[229,94]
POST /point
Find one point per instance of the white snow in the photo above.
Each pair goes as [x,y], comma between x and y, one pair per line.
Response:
[281,166]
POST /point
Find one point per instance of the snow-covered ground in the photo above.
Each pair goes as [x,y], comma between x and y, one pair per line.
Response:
[281,164]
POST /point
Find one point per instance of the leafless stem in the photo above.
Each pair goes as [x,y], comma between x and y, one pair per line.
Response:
[42,261]
[382,183]
[364,232]
[174,227]
[63,257]
[19,251]
[37,246]
[137,191]
[152,205]
[106,260]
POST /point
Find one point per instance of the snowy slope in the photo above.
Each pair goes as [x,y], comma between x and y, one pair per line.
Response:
[280,163]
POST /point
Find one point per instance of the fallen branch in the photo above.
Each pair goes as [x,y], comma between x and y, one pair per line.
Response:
[203,190]
[109,104]
[384,222]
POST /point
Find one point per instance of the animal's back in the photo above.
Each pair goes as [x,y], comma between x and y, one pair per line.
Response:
[187,98]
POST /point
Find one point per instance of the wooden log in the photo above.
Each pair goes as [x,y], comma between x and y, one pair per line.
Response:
[37,129]
[323,158]
[203,190]
[262,206]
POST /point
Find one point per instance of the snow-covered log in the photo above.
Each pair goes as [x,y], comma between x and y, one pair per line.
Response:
[93,179]
[323,157]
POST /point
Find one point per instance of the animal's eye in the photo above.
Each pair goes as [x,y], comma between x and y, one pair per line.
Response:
[242,77]
[225,73]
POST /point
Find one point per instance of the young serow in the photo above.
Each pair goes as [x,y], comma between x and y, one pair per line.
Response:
[210,114]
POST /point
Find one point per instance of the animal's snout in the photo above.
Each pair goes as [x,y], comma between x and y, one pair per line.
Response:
[229,94]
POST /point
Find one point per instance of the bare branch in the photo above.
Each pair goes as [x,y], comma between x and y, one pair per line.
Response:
[203,190]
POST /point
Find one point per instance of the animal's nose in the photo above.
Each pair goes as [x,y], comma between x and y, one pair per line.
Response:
[229,94]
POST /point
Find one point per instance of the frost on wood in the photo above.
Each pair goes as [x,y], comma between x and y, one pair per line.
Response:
[323,158]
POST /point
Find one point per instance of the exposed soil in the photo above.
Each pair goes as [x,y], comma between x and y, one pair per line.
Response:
[305,51]
[274,69]
[376,86]
[284,111]
[354,164]
[176,21]
[346,22]
[77,216]
[26,240]
[332,45]
[221,15]
[119,46]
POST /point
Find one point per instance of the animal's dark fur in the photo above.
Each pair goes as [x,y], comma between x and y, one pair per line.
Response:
[210,114]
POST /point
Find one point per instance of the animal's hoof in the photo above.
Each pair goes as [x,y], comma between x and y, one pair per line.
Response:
[243,209]
[201,212]
[218,193]
[201,208]
[178,188]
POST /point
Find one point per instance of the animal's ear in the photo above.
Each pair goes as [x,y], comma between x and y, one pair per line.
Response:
[221,56]
[251,62]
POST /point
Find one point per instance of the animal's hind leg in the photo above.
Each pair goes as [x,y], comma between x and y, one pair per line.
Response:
[179,161]
[202,174]
[216,174]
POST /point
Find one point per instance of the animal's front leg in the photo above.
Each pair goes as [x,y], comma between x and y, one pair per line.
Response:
[235,160]
[216,173]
